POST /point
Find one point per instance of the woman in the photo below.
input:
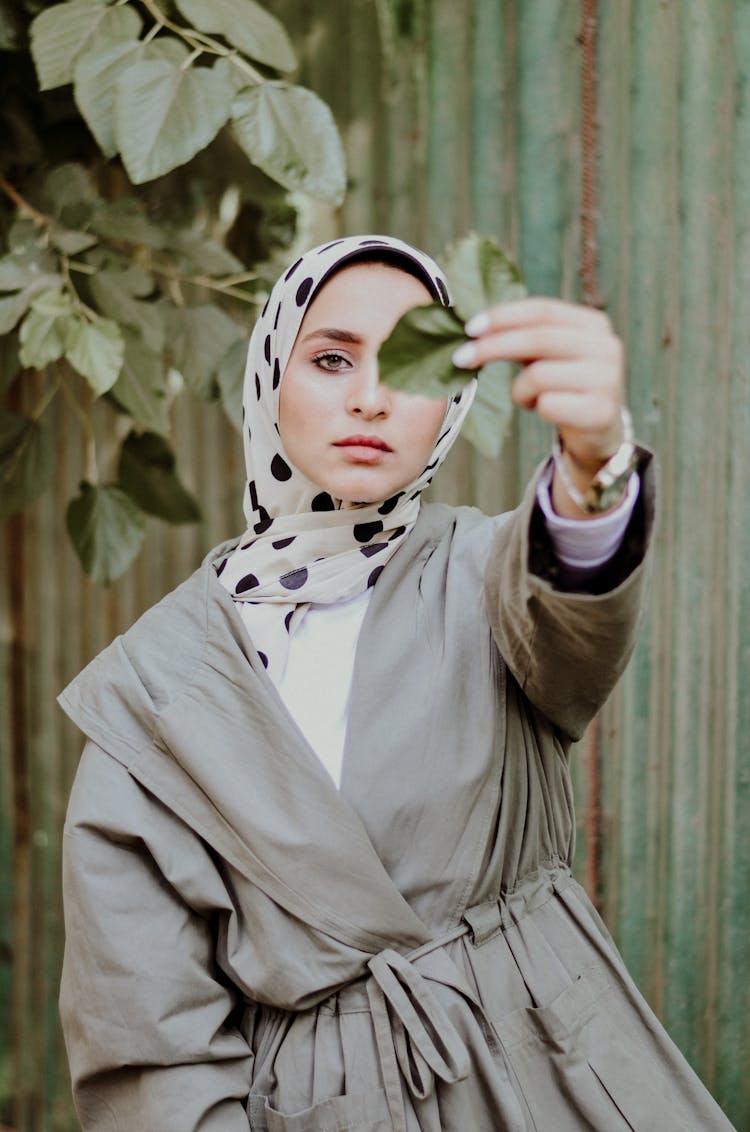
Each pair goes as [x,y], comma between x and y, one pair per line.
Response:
[317,851]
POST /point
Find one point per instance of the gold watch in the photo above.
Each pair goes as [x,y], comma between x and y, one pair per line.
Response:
[610,483]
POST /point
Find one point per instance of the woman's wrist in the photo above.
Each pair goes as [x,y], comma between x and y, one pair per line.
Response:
[586,487]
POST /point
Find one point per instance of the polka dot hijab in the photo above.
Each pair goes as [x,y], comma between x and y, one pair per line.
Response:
[301,545]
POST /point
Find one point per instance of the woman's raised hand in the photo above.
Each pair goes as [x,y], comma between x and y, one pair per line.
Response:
[572,376]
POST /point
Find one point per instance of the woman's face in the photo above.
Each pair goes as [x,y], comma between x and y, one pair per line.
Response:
[357,439]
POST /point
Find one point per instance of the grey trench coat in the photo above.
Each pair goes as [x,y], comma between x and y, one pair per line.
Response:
[247,946]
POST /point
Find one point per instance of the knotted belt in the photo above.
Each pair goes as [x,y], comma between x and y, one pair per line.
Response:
[415,1037]
[416,1040]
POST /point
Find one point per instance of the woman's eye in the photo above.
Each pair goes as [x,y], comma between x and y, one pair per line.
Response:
[331,362]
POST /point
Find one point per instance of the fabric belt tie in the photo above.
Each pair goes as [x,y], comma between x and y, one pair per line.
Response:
[413,1032]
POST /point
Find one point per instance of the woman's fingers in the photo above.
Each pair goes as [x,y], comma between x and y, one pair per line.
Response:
[586,377]
[572,372]
[538,311]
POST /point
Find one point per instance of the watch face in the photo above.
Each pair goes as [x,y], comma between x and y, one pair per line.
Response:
[612,494]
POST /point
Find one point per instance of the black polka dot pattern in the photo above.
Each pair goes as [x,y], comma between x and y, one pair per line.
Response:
[249,582]
[295,579]
[388,506]
[257,386]
[303,291]
[276,374]
[264,521]
[288,621]
[373,548]
[399,531]
[374,576]
[292,270]
[363,532]
[263,658]
[322,502]
[280,470]
[283,543]
[443,292]
[267,349]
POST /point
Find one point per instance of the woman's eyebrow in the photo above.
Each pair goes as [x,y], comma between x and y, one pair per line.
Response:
[334,334]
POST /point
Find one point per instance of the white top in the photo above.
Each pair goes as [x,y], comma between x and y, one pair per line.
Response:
[317,680]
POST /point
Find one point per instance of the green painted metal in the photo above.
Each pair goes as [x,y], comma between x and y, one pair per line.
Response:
[467,113]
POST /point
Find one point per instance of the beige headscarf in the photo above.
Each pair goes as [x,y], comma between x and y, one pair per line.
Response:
[301,545]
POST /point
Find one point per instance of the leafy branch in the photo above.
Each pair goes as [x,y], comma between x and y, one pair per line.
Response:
[96,288]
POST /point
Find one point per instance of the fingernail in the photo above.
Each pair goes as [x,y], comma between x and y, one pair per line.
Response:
[477,324]
[465,355]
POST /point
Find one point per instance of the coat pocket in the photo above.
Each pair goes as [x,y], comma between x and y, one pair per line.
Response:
[357,1112]
[579,1064]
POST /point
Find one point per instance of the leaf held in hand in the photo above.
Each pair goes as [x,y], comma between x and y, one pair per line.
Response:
[479,275]
[417,356]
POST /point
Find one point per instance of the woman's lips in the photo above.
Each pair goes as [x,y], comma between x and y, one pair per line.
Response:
[364,449]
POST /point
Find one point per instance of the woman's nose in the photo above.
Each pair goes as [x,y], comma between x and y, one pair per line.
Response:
[367,396]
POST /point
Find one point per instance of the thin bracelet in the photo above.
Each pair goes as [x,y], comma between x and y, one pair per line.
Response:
[575,494]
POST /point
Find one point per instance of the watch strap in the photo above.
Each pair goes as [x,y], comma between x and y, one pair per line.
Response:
[608,486]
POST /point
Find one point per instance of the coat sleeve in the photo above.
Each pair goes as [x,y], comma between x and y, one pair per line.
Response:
[149,1025]
[567,649]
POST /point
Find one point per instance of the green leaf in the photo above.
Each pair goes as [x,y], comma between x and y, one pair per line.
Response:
[106,529]
[165,114]
[96,350]
[70,241]
[147,473]
[205,256]
[199,337]
[11,34]
[113,292]
[246,25]
[141,388]
[96,76]
[480,275]
[416,357]
[68,191]
[486,424]
[59,35]
[230,377]
[125,220]
[45,329]
[27,461]
[234,74]
[15,273]
[289,133]
[10,363]
[12,310]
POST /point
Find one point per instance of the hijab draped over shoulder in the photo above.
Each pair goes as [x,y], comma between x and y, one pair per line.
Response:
[301,545]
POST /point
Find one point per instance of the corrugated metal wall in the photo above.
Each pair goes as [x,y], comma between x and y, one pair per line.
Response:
[458,114]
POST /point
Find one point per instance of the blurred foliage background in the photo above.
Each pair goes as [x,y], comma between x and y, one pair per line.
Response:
[606,146]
